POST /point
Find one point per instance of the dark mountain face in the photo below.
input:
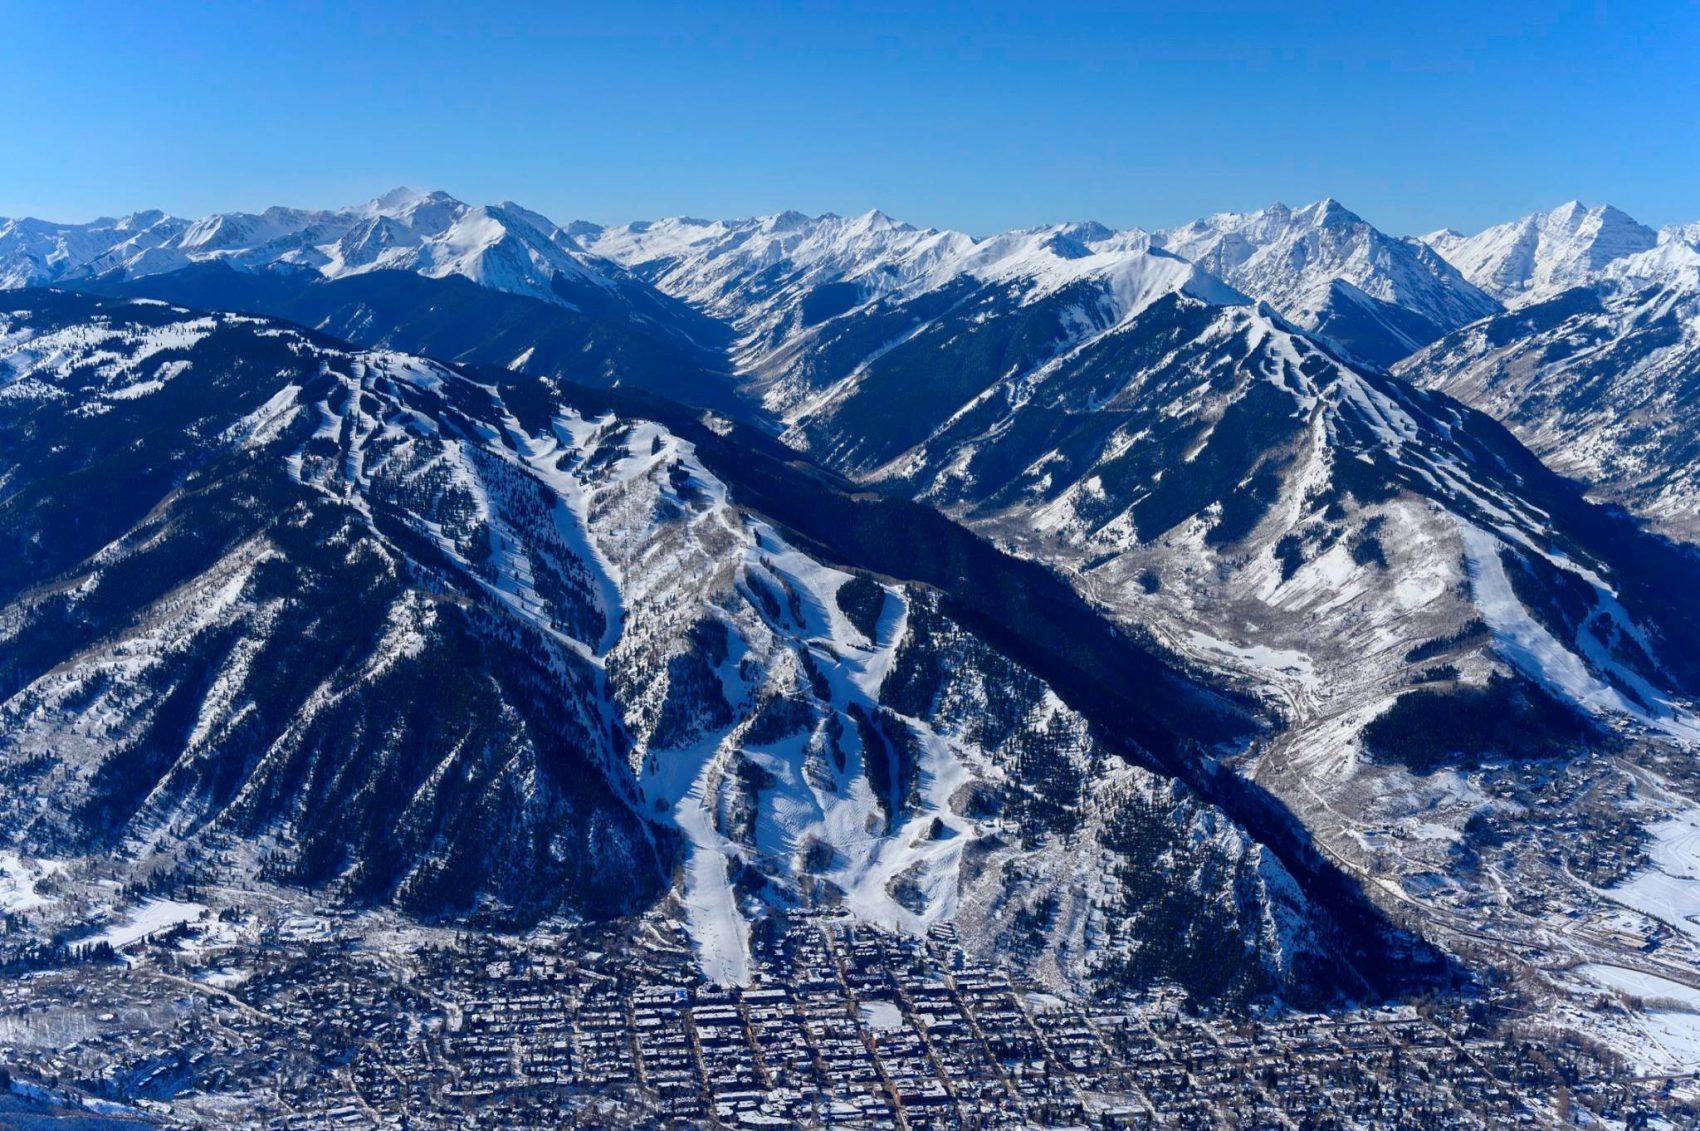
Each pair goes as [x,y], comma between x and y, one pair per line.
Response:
[256,657]
[596,335]
[486,645]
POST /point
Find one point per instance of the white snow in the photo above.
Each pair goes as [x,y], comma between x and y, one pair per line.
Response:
[1535,652]
[1288,662]
[1669,888]
[150,918]
[1642,985]
[1663,1034]
[18,879]
[880,1015]
[718,928]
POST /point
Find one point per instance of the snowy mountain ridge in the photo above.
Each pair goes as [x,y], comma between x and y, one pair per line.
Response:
[1326,269]
[1394,295]
[1541,254]
[501,246]
[1597,378]
[1321,266]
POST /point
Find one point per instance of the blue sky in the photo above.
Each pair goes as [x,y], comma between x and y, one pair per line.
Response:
[977,116]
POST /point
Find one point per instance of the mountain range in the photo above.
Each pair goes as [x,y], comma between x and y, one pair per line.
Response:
[1184,606]
[1572,327]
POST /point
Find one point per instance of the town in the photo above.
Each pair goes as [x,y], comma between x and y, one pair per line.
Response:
[326,1026]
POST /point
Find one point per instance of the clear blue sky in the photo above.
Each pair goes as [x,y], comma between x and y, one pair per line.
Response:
[978,116]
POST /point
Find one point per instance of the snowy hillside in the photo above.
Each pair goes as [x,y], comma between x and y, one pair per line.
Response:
[408,634]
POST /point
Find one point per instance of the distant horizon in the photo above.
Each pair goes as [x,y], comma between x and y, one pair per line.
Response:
[565,221]
[981,118]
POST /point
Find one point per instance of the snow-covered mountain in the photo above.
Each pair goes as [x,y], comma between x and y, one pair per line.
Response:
[1542,254]
[1423,602]
[773,278]
[1184,431]
[503,246]
[1601,379]
[477,643]
[36,252]
[753,273]
[417,272]
[1199,493]
[1321,266]
[1328,270]
[965,370]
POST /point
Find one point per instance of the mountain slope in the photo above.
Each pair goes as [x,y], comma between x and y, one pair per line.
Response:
[210,631]
[1353,550]
[1599,380]
[479,644]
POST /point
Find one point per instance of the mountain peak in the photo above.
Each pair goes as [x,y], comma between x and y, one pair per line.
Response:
[790,220]
[137,221]
[874,220]
[1329,212]
[1543,253]
[1400,297]
[399,197]
[1617,215]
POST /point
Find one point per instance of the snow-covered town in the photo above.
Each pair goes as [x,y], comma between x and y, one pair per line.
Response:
[336,1021]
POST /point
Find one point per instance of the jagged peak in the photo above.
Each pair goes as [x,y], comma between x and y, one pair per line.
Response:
[1574,213]
[1087,231]
[1331,211]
